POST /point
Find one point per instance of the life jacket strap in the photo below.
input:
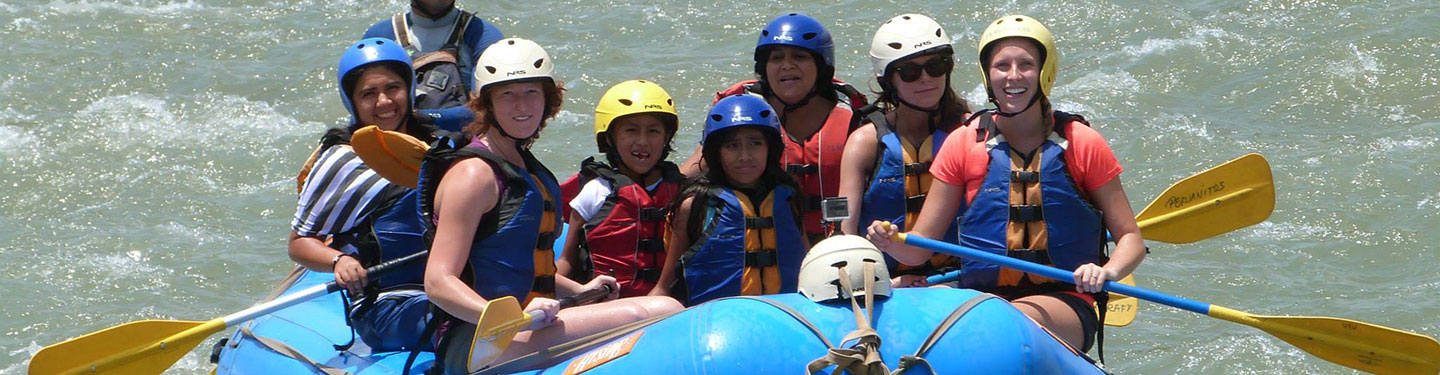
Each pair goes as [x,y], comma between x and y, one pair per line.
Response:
[651,246]
[648,274]
[543,285]
[802,169]
[759,222]
[915,169]
[914,203]
[653,214]
[1024,176]
[1027,213]
[762,258]
[1036,256]
[545,241]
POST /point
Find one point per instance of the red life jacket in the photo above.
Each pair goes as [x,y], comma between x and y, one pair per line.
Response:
[815,162]
[625,238]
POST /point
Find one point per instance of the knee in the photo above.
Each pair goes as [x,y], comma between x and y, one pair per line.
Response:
[659,305]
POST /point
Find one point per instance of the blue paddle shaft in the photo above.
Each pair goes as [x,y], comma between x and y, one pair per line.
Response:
[1055,273]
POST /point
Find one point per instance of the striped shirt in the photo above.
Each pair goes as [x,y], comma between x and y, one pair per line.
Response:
[337,194]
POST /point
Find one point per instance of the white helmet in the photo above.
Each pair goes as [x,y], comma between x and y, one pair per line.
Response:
[512,59]
[904,36]
[820,277]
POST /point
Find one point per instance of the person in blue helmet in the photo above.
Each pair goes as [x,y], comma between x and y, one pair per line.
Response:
[342,200]
[886,167]
[444,42]
[734,230]
[795,70]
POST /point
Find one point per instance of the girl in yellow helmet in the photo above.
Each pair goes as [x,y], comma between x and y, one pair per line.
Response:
[993,173]
[618,208]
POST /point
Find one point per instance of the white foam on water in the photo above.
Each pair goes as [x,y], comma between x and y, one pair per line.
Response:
[1380,147]
[1363,63]
[22,25]
[1230,355]
[1100,86]
[1179,124]
[1432,202]
[1157,46]
[15,140]
[127,7]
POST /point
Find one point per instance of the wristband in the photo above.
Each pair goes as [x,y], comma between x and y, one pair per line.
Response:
[336,260]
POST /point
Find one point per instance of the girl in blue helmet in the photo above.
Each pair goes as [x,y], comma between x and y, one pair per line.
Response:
[494,211]
[885,173]
[795,70]
[734,230]
[341,200]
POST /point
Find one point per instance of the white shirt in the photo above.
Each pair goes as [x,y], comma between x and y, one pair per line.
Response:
[592,196]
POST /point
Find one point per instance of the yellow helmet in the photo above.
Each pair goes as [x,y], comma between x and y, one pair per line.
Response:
[1022,27]
[632,97]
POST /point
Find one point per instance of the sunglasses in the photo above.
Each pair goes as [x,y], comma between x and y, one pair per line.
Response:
[936,67]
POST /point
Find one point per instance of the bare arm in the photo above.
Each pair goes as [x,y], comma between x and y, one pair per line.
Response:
[678,241]
[466,193]
[312,253]
[856,165]
[1129,251]
[936,216]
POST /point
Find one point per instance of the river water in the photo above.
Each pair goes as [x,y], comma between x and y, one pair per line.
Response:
[149,147]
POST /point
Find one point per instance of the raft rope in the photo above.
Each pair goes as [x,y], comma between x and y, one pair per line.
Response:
[863,358]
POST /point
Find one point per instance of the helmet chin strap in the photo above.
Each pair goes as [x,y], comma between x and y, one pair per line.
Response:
[933,112]
[1002,113]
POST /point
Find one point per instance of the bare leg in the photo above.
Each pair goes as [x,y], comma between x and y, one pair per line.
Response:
[1055,315]
[581,321]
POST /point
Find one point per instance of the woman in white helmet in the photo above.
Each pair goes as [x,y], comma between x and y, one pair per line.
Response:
[993,173]
[885,172]
[493,209]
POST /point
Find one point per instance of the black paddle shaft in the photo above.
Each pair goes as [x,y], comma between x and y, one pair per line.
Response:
[382,268]
[585,297]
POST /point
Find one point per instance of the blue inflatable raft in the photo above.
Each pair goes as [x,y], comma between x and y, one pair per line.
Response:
[766,334]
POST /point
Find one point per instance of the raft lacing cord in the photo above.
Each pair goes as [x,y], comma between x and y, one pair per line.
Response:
[278,346]
[863,358]
[288,351]
[909,361]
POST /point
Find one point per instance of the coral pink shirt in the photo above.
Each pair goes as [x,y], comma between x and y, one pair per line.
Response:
[962,161]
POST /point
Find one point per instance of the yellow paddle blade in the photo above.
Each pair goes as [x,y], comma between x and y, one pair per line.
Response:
[498,325]
[139,347]
[1358,345]
[393,155]
[1231,196]
[1121,309]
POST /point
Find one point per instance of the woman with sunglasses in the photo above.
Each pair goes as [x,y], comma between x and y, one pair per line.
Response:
[994,172]
[795,64]
[885,172]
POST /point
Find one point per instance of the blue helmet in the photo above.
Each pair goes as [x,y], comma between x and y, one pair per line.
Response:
[796,30]
[372,51]
[742,110]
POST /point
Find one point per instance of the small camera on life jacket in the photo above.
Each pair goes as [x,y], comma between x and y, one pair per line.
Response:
[836,209]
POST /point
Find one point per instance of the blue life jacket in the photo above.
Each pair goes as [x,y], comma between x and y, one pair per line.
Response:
[743,248]
[1074,229]
[897,191]
[513,250]
[392,230]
